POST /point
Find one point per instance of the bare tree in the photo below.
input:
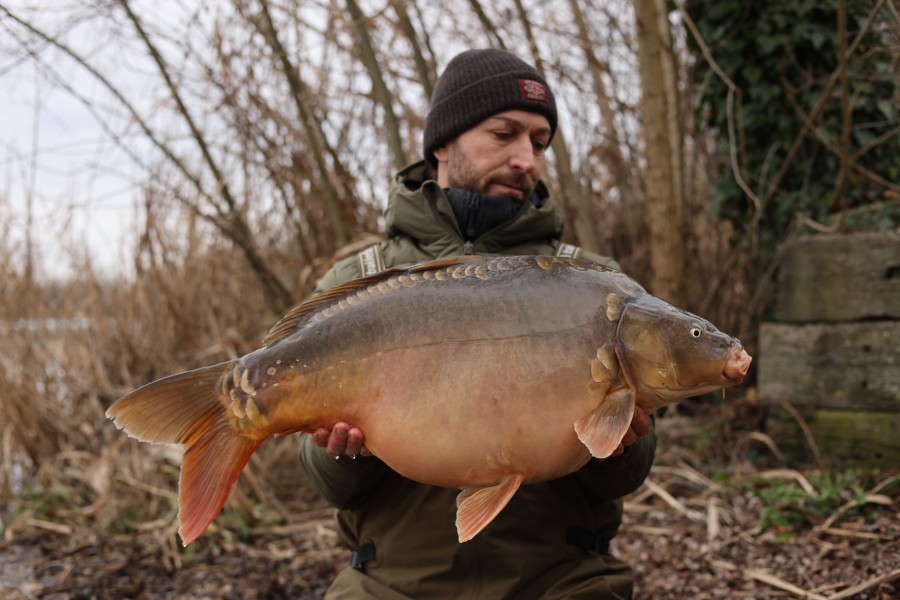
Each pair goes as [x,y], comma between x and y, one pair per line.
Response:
[271,120]
[662,141]
[424,65]
[380,89]
[230,220]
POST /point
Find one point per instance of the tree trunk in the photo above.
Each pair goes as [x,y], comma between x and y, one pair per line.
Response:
[611,143]
[231,222]
[424,67]
[596,68]
[379,87]
[662,139]
[489,30]
[331,203]
[580,214]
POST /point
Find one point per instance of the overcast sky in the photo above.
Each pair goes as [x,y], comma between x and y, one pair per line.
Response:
[55,155]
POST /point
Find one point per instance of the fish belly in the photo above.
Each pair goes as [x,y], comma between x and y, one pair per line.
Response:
[469,413]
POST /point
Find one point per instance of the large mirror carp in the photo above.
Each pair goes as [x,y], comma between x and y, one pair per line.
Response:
[505,370]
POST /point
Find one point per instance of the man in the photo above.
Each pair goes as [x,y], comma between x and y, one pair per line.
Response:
[478,191]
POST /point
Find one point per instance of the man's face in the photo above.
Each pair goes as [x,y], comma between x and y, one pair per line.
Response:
[501,156]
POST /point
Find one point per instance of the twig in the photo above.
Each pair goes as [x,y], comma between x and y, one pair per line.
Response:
[712,520]
[866,585]
[790,474]
[156,524]
[863,535]
[695,475]
[49,525]
[284,530]
[803,220]
[672,501]
[639,497]
[724,565]
[831,147]
[820,104]
[782,584]
[768,442]
[877,141]
[872,497]
[650,530]
[868,499]
[686,472]
[733,90]
[145,487]
[884,483]
[807,433]
[846,115]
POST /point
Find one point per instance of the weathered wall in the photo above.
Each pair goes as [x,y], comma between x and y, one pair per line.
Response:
[832,348]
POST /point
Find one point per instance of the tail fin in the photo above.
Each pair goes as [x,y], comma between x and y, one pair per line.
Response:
[185,409]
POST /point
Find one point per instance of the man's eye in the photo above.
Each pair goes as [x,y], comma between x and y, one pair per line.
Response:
[539,146]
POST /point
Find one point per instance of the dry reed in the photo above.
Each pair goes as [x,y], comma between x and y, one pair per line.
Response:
[70,349]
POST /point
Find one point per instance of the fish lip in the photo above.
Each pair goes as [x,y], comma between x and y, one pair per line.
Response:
[736,366]
[733,379]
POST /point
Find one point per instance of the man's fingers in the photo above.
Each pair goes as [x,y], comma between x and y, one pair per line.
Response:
[320,437]
[337,441]
[341,440]
[629,438]
[641,423]
[354,442]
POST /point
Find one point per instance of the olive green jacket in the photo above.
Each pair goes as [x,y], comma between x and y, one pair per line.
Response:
[524,552]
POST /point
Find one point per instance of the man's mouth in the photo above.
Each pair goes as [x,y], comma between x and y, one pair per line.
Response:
[501,189]
[516,186]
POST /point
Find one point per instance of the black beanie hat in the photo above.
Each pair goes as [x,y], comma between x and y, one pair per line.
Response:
[477,84]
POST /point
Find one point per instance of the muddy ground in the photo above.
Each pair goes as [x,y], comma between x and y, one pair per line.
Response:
[693,531]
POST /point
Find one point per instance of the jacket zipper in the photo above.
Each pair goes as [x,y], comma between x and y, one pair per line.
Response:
[474,208]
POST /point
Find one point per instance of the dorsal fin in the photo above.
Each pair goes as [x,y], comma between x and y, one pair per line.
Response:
[288,323]
[445,263]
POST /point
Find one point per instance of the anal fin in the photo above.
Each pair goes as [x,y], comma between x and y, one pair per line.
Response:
[477,507]
[603,429]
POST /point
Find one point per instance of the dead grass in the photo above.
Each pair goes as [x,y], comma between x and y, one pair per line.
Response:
[694,530]
[711,523]
[70,349]
[87,511]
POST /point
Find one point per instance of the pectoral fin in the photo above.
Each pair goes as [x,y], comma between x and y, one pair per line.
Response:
[476,507]
[603,429]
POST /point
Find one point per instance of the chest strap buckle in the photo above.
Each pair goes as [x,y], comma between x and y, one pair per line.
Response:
[363,554]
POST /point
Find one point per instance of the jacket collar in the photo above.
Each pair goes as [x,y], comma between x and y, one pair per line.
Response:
[418,208]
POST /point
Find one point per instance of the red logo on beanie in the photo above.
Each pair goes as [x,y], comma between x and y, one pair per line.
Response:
[533,90]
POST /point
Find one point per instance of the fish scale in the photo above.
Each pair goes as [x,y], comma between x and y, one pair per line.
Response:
[519,369]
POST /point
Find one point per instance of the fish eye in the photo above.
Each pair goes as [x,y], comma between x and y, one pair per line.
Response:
[696,332]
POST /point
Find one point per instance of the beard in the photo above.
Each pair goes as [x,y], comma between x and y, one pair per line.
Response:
[461,174]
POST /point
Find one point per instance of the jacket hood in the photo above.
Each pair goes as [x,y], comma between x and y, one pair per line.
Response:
[418,208]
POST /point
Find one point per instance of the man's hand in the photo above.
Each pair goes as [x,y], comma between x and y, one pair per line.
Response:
[341,440]
[641,424]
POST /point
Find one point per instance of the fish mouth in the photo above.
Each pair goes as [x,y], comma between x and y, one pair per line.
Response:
[736,366]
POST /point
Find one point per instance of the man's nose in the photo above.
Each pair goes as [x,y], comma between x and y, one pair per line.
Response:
[522,156]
